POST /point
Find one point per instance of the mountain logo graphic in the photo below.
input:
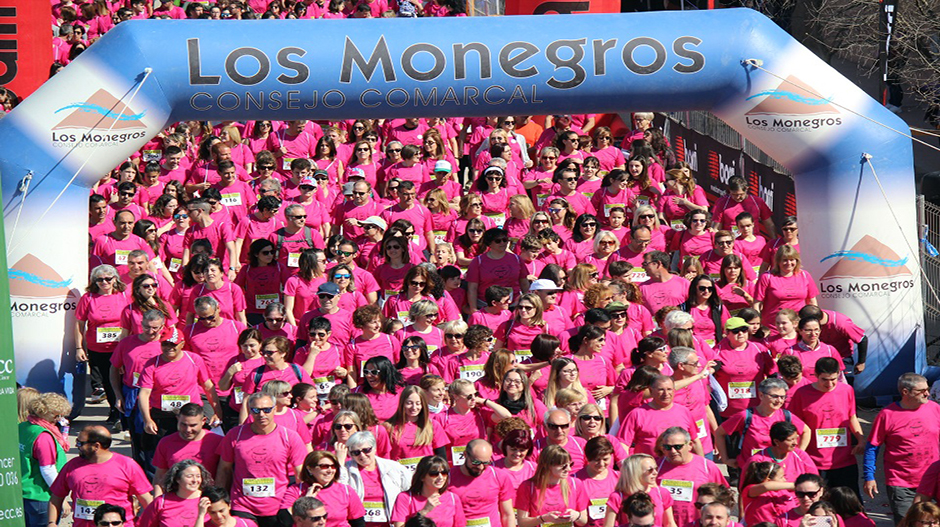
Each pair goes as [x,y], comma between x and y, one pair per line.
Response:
[30,277]
[868,258]
[102,111]
[792,97]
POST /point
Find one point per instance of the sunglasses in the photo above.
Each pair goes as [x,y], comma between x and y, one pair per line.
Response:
[738,330]
[411,347]
[320,334]
[101,279]
[149,286]
[810,494]
[266,252]
[436,473]
[347,426]
[417,283]
[265,167]
[316,519]
[179,216]
[553,426]
[298,217]
[325,296]
[453,335]
[475,231]
[342,276]
[597,418]
[478,463]
[589,225]
[667,448]
[114,523]
[646,216]
[706,288]
[357,453]
[275,320]
[725,242]
[258,411]
[570,179]
[209,318]
[394,150]
[699,220]
[370,372]
[321,178]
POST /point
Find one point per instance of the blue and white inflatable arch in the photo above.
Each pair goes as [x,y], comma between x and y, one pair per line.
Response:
[145,74]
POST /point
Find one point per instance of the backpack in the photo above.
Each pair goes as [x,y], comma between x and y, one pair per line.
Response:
[736,440]
[260,372]
[308,238]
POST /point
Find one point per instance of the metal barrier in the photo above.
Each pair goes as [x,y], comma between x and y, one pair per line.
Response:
[929,220]
[486,7]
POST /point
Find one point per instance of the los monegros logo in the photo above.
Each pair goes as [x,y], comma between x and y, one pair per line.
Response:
[791,107]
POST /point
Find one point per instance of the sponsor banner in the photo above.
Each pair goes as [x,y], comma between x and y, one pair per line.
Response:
[25,45]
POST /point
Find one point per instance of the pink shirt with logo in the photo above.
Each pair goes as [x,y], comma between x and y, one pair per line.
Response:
[527,498]
[778,292]
[261,457]
[173,448]
[758,434]
[113,481]
[448,514]
[182,377]
[481,496]
[910,438]
[102,313]
[642,426]
[660,294]
[699,471]
[598,491]
[217,346]
[132,354]
[828,415]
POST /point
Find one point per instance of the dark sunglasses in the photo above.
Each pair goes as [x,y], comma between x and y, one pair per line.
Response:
[258,411]
[347,426]
[597,418]
[357,453]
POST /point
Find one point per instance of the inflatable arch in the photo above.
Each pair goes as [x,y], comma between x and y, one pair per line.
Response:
[736,63]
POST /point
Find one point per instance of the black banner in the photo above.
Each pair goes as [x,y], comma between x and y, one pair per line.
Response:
[886,17]
[714,163]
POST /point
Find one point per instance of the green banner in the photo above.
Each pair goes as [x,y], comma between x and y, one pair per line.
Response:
[11,496]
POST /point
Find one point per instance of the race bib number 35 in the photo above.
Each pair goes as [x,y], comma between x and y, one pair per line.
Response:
[679,489]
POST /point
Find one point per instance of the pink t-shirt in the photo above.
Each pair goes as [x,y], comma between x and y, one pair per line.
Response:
[173,448]
[910,439]
[362,350]
[527,498]
[113,481]
[841,332]
[288,375]
[506,271]
[778,292]
[758,434]
[823,412]
[597,490]
[766,507]
[515,477]
[481,496]
[795,463]
[341,501]
[403,443]
[169,510]
[176,383]
[258,457]
[930,482]
[131,354]
[448,514]
[216,346]
[660,294]
[740,374]
[574,446]
[695,397]
[383,404]
[641,427]
[698,471]
[808,357]
[103,316]
[459,429]
[485,318]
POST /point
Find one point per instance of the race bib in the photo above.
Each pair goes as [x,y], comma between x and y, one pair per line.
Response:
[293,259]
[643,201]
[597,509]
[120,256]
[375,512]
[742,390]
[602,404]
[677,225]
[499,218]
[439,236]
[681,490]
[112,334]
[324,384]
[85,509]
[262,301]
[175,264]
[458,456]
[403,316]
[478,522]
[239,394]
[562,524]
[471,372]
[415,239]
[410,464]
[136,381]
[540,198]
[638,275]
[170,403]
[522,355]
[702,430]
[232,199]
[831,437]
[608,206]
[285,163]
[258,487]
[152,155]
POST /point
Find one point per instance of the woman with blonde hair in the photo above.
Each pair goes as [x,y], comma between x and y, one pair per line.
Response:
[470,208]
[39,435]
[24,398]
[773,290]
[242,156]
[638,474]
[580,278]
[646,215]
[497,364]
[552,495]
[521,211]
[411,430]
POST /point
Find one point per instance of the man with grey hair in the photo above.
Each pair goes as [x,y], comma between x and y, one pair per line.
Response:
[754,424]
[295,236]
[256,461]
[308,512]
[692,391]
[715,514]
[909,430]
[213,338]
[219,233]
[640,429]
[682,472]
[557,432]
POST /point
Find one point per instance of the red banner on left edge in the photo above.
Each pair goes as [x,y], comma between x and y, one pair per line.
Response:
[25,45]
